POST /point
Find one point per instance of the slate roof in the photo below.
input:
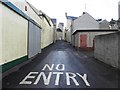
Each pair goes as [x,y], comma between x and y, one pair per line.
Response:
[62,24]
[71,17]
[59,30]
[54,21]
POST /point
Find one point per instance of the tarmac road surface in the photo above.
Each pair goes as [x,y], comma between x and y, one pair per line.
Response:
[62,66]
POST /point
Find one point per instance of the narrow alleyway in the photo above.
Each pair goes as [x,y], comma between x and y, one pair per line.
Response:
[62,66]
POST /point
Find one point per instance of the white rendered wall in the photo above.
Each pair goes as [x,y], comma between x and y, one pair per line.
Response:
[14,35]
[85,22]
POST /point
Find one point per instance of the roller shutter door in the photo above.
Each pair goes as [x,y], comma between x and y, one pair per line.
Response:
[34,40]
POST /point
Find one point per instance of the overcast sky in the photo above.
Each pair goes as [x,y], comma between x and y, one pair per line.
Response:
[105,9]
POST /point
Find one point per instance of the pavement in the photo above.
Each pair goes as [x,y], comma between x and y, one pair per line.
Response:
[62,66]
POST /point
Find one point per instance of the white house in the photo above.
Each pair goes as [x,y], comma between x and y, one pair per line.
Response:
[119,9]
[55,24]
[59,31]
[114,24]
[104,24]
[85,22]
[68,29]
[84,29]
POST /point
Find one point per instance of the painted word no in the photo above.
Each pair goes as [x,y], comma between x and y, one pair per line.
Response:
[59,67]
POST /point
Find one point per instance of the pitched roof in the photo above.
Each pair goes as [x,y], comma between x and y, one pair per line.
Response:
[62,24]
[39,12]
[96,30]
[54,20]
[59,30]
[71,17]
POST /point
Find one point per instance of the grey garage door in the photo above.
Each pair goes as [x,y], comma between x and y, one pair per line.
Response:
[34,40]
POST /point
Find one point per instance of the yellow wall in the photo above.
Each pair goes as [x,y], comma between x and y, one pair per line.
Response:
[14,35]
[47,33]
[42,38]
[21,5]
[59,35]
[42,32]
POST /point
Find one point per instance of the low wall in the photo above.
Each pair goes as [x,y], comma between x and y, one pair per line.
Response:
[107,49]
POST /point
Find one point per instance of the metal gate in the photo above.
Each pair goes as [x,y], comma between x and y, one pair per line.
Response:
[83,40]
[34,40]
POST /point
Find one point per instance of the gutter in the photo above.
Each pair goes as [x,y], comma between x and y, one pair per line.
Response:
[96,30]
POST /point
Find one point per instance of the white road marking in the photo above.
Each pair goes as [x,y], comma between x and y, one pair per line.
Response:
[46,79]
[62,69]
[84,78]
[47,66]
[68,77]
[57,77]
[28,76]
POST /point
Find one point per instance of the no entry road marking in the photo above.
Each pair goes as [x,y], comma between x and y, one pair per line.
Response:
[47,78]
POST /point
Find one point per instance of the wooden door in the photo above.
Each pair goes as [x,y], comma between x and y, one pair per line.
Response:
[83,41]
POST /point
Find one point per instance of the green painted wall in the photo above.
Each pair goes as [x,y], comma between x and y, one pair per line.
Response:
[13,63]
